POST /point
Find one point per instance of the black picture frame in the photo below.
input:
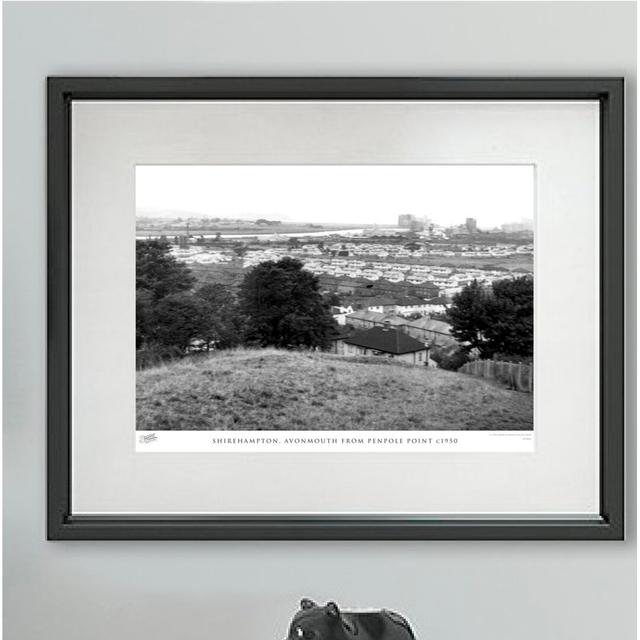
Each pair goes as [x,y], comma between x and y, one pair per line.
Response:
[62,524]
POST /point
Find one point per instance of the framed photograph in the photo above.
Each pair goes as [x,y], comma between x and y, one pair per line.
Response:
[335,308]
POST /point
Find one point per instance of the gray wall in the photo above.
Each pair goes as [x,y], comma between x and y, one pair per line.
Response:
[247,591]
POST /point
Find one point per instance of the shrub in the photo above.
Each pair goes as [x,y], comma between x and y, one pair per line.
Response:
[451,361]
[152,354]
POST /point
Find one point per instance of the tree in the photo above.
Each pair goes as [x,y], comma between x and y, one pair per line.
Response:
[510,311]
[144,315]
[449,360]
[158,271]
[217,294]
[498,320]
[467,316]
[283,306]
[331,299]
[224,326]
[180,318]
[158,275]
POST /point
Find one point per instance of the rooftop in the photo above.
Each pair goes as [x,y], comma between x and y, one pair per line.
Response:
[341,332]
[376,316]
[376,301]
[428,324]
[387,340]
[409,301]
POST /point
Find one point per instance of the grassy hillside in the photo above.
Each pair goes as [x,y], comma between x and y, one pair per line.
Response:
[280,390]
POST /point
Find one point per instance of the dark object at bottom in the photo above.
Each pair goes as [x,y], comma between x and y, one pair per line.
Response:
[314,622]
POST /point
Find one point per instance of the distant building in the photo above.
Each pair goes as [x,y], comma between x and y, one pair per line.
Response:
[436,332]
[380,304]
[385,342]
[517,227]
[407,305]
[410,221]
[437,305]
[368,319]
[402,304]
[472,225]
[340,314]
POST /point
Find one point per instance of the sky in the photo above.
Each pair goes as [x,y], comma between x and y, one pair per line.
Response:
[358,194]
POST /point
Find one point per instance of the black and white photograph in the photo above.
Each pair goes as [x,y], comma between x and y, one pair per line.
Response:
[326,298]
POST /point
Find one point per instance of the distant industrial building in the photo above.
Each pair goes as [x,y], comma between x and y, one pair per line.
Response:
[517,227]
[407,220]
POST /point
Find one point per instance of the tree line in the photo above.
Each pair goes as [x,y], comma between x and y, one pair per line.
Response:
[277,304]
[495,322]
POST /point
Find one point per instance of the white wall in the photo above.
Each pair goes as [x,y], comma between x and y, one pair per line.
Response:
[248,590]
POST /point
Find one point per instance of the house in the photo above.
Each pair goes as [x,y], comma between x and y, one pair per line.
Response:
[437,305]
[385,342]
[340,313]
[435,332]
[406,305]
[379,304]
[368,319]
[341,309]
[401,304]
[340,334]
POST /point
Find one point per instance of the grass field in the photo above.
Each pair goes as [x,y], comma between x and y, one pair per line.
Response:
[517,261]
[282,390]
[510,263]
